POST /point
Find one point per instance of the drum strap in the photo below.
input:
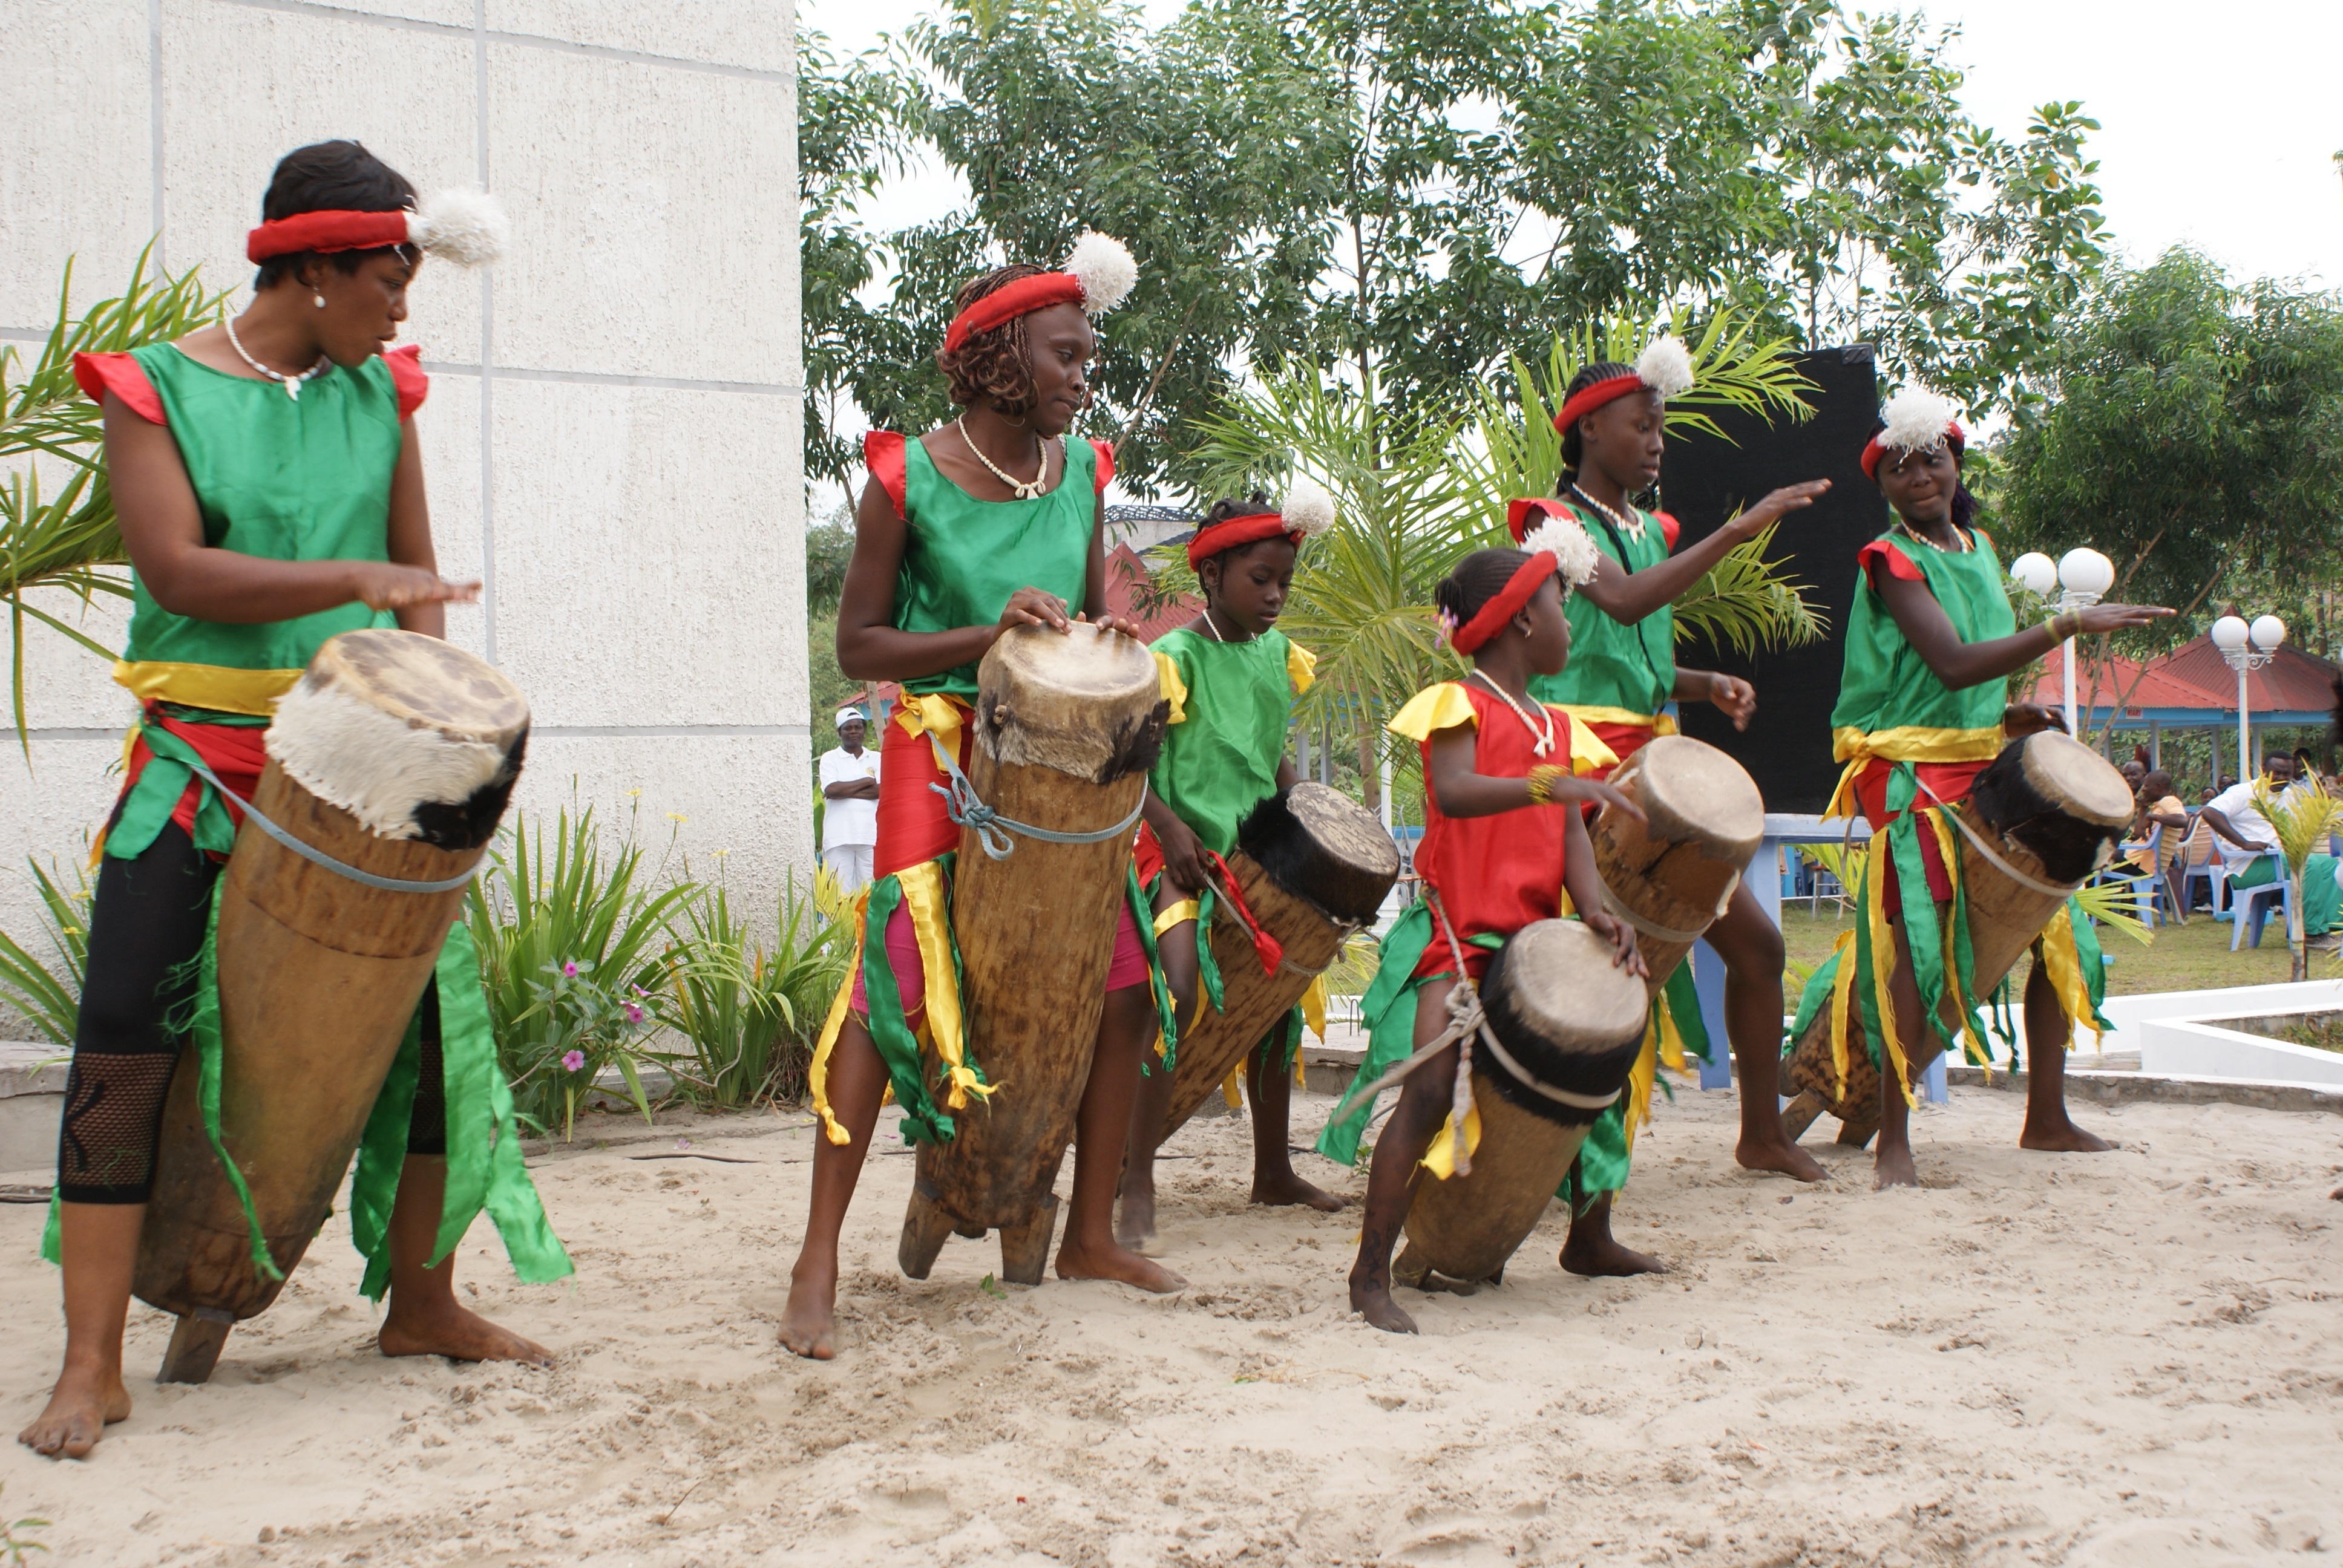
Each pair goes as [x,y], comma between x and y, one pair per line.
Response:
[317,856]
[1617,906]
[1976,842]
[963,806]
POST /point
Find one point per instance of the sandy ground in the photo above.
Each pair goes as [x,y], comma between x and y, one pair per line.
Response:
[2127,1359]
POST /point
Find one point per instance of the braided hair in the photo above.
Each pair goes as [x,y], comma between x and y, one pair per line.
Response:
[1964,506]
[1476,579]
[998,364]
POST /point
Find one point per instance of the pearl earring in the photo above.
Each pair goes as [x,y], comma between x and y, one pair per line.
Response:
[320,299]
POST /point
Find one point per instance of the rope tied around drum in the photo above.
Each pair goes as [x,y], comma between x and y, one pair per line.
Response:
[967,808]
[1467,1020]
[317,857]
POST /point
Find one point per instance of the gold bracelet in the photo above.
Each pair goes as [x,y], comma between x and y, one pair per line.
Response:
[2067,623]
[1542,777]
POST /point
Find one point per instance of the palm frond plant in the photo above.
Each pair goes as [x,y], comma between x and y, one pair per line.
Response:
[749,1012]
[2303,818]
[573,952]
[67,537]
[48,994]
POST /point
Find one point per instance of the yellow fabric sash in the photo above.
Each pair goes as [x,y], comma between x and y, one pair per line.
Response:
[1440,1158]
[1905,743]
[216,687]
[941,1025]
[1177,914]
[2064,966]
[1595,713]
[1313,1018]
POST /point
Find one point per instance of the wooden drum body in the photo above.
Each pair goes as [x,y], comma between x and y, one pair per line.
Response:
[1574,1023]
[1313,866]
[396,754]
[2054,810]
[1066,726]
[1671,876]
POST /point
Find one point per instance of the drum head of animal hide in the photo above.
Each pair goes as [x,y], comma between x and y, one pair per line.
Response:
[1693,793]
[2069,775]
[1083,701]
[1321,846]
[1571,1018]
[409,734]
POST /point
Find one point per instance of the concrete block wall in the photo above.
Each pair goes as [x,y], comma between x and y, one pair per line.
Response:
[612,442]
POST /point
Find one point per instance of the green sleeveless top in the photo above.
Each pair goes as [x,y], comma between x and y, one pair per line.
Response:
[285,481]
[963,557]
[1890,702]
[1230,704]
[1630,670]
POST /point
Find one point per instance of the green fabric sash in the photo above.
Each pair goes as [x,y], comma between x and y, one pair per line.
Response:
[1388,1010]
[924,1121]
[155,795]
[485,1169]
[1603,1160]
[1208,967]
[1683,1001]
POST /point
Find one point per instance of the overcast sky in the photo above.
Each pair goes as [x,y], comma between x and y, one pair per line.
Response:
[2221,121]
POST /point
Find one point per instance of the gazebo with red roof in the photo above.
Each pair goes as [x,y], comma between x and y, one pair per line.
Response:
[2192,688]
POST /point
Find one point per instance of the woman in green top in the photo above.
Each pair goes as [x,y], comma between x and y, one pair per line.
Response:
[1621,676]
[988,522]
[1929,647]
[269,487]
[1232,678]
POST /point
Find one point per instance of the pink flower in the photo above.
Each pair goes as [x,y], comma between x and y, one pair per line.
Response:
[570,969]
[572,1060]
[634,1014]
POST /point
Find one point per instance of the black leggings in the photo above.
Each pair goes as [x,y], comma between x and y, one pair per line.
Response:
[146,928]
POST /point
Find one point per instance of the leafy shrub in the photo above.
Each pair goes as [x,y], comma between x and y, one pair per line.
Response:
[49,995]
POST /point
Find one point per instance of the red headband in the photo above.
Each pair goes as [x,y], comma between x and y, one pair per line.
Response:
[1518,591]
[1214,537]
[1005,305]
[1873,451]
[325,232]
[1589,399]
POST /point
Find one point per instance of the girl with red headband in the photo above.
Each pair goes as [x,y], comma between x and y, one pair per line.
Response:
[1231,676]
[990,521]
[1623,675]
[269,485]
[1925,705]
[1504,845]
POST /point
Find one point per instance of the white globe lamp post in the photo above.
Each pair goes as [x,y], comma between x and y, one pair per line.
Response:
[2246,648]
[2082,577]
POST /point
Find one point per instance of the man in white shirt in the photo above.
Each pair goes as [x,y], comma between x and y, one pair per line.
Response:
[849,811]
[2249,848]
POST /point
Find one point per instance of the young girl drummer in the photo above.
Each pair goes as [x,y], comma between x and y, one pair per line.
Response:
[992,521]
[1503,842]
[1623,673]
[269,483]
[1929,647]
[1232,678]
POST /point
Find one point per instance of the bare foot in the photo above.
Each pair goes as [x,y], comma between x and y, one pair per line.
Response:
[87,1399]
[1280,1189]
[1779,1154]
[1117,1263]
[1134,1225]
[2063,1138]
[446,1328]
[809,1325]
[1374,1303]
[1893,1168]
[1601,1257]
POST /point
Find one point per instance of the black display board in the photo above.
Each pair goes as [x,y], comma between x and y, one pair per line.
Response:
[1703,480]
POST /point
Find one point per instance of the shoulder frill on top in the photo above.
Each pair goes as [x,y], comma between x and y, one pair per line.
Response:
[883,454]
[1886,555]
[121,374]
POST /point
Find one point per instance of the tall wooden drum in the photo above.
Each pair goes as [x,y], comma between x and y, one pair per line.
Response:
[1313,866]
[2054,810]
[1573,1023]
[1067,725]
[395,755]
[1671,875]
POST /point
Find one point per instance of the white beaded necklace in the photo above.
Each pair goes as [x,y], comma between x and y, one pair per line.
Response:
[1022,489]
[292,383]
[1632,523]
[1541,740]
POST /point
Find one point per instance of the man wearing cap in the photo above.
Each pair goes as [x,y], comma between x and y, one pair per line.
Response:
[849,790]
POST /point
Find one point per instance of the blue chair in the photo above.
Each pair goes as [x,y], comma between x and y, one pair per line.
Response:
[2255,905]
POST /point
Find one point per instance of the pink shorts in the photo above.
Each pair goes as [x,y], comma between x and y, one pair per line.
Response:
[1129,968]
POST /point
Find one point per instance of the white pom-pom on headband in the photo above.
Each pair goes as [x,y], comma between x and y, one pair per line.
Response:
[1574,552]
[1664,367]
[1916,420]
[465,226]
[1099,274]
[1309,507]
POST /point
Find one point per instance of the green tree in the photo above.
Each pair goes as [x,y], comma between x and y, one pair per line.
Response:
[2192,429]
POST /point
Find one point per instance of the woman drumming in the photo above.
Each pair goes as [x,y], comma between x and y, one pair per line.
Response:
[989,522]
[1929,647]
[269,485]
[1623,673]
